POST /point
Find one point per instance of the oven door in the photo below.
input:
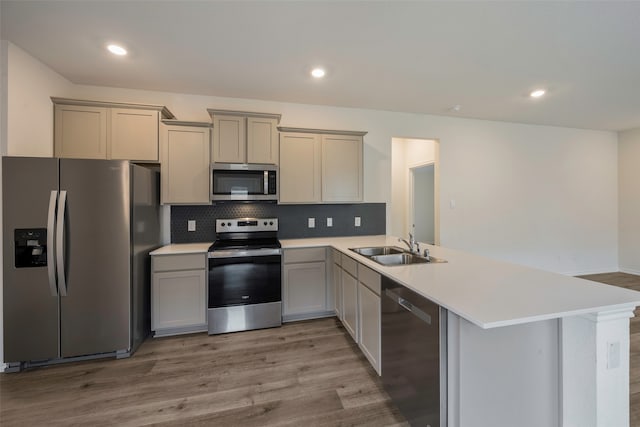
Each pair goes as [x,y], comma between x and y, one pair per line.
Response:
[244,280]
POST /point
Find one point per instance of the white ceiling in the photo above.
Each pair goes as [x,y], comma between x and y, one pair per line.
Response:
[422,57]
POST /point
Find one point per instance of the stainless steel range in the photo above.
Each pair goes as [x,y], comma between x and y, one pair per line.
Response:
[245,275]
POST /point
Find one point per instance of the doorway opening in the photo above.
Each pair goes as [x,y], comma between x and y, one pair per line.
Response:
[421,202]
[414,206]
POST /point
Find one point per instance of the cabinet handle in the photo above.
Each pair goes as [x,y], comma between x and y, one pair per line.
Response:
[409,306]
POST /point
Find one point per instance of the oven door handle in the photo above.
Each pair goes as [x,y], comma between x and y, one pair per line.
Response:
[244,254]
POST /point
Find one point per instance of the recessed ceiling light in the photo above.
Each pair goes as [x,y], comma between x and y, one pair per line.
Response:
[537,93]
[318,73]
[117,50]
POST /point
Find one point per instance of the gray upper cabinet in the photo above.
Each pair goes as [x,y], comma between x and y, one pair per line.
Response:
[244,137]
[184,166]
[300,174]
[320,166]
[80,132]
[134,134]
[341,168]
[229,143]
[105,130]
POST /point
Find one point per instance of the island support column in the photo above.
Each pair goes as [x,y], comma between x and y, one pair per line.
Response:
[595,369]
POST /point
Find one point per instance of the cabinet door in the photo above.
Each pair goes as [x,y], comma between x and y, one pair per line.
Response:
[369,325]
[263,142]
[300,157]
[304,288]
[229,140]
[341,168]
[178,299]
[337,289]
[185,165]
[134,134]
[350,304]
[80,132]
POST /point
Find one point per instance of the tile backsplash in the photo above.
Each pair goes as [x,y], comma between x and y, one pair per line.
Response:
[293,219]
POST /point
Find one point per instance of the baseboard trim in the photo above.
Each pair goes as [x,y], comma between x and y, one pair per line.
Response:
[589,272]
[630,271]
[307,316]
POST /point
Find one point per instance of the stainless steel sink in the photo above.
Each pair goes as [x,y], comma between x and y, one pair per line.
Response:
[393,255]
[378,250]
[405,259]
[399,259]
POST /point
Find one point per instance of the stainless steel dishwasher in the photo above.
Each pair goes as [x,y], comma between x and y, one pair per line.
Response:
[414,368]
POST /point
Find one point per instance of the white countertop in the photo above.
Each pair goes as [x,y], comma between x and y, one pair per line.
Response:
[487,292]
[182,248]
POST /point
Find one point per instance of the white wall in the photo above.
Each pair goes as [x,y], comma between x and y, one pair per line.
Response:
[629,201]
[397,210]
[30,111]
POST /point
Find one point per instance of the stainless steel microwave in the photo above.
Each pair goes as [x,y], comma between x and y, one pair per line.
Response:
[244,182]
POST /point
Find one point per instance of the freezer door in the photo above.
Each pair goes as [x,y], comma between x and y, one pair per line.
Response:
[95,313]
[30,302]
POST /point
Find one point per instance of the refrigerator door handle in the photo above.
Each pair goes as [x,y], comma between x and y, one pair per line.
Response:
[51,265]
[60,232]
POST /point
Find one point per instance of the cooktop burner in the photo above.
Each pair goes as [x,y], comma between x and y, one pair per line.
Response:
[246,233]
[246,244]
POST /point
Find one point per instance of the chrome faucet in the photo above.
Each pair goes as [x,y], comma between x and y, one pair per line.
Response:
[411,243]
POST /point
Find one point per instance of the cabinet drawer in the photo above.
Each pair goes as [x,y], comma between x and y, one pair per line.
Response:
[179,262]
[304,255]
[369,278]
[336,257]
[350,266]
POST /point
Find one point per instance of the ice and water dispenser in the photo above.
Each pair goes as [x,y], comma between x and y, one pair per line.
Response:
[30,247]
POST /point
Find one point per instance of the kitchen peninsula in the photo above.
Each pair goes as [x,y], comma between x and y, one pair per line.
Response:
[525,347]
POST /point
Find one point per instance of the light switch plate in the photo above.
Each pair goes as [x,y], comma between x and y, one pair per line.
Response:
[329,222]
[357,221]
[191,225]
[312,223]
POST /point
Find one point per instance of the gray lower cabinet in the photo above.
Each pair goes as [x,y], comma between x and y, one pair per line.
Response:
[306,292]
[369,315]
[178,294]
[336,282]
[350,296]
[320,282]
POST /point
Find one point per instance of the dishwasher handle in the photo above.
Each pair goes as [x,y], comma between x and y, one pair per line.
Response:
[406,304]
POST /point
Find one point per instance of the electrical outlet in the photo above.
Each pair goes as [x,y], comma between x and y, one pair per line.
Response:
[312,223]
[191,225]
[613,356]
[329,222]
[357,221]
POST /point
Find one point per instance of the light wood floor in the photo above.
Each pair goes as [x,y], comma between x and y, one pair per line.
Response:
[303,374]
[628,281]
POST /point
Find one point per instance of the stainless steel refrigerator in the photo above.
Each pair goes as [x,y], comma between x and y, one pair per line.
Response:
[76,239]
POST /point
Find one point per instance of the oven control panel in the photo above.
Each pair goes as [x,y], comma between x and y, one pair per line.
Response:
[246,225]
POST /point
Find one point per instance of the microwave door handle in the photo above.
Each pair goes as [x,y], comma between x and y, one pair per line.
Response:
[266,182]
[51,263]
